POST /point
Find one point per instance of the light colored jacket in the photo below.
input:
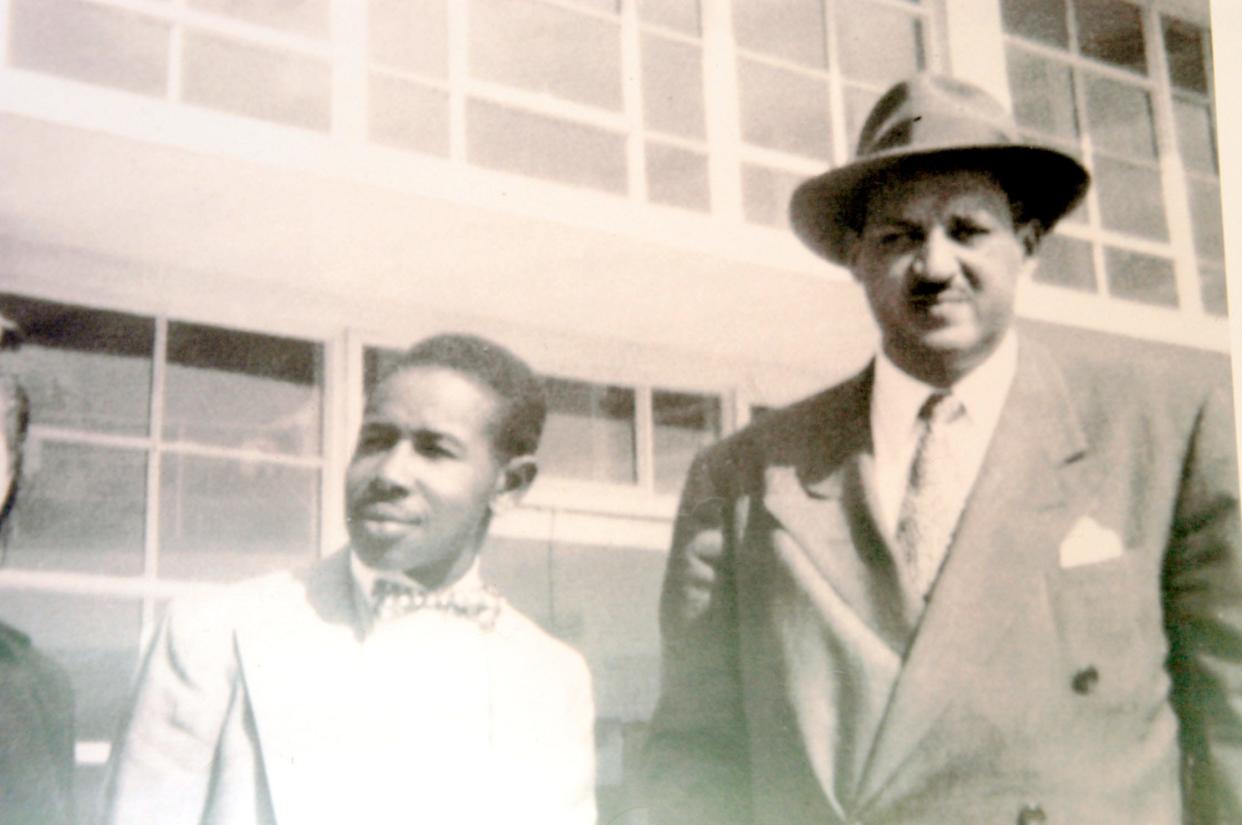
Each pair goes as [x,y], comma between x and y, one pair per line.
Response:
[264,703]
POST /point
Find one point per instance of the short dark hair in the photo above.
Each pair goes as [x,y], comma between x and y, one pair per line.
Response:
[520,424]
[16,424]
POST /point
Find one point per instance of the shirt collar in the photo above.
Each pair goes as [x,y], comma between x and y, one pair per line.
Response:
[365,577]
[897,396]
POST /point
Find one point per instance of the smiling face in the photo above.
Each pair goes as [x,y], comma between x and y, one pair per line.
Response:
[425,476]
[940,259]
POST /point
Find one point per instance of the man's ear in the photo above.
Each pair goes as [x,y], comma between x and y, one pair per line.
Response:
[512,482]
[1029,235]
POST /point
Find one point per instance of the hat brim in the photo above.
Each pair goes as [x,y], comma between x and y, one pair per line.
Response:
[826,211]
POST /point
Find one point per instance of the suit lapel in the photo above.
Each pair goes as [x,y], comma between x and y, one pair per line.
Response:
[297,655]
[819,489]
[1017,510]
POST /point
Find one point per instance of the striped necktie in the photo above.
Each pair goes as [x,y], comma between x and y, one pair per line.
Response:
[934,496]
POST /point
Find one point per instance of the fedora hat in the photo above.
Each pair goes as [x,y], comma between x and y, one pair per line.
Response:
[931,121]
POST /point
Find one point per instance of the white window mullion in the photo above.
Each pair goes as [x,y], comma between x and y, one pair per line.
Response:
[458,68]
[644,438]
[151,529]
[632,100]
[350,100]
[1172,171]
[842,140]
[720,108]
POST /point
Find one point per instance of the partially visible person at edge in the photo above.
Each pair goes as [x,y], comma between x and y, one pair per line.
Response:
[979,581]
[386,683]
[36,699]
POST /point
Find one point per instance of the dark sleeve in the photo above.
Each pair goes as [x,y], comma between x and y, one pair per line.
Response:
[1203,615]
[697,757]
[36,740]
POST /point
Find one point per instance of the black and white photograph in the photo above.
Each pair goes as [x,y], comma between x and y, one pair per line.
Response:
[633,412]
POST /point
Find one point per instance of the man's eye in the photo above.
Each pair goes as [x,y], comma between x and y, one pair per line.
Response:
[374,440]
[966,232]
[433,448]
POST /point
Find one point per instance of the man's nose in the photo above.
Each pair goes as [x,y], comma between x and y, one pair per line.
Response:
[399,466]
[938,260]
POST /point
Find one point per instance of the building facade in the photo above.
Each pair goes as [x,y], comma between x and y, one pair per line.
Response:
[219,218]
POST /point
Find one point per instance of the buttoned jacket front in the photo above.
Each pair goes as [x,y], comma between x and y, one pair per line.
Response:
[1049,679]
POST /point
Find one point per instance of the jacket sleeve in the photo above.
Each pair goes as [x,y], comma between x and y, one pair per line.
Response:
[697,755]
[1203,616]
[162,761]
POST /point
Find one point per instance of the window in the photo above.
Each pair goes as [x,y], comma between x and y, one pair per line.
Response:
[1189,62]
[808,71]
[165,449]
[269,61]
[610,438]
[1081,78]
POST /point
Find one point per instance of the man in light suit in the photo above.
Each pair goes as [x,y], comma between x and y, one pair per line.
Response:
[386,683]
[975,582]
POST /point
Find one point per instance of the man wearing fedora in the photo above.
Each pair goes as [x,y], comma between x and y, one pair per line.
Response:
[976,582]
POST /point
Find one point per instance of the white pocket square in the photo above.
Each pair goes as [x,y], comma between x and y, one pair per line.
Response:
[1089,542]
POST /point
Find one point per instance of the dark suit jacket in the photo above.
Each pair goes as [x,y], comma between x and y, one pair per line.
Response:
[1079,660]
[36,735]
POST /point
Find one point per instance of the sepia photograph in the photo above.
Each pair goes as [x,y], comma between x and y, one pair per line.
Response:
[634,412]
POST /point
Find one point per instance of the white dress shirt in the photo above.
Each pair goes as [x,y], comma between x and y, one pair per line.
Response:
[896,399]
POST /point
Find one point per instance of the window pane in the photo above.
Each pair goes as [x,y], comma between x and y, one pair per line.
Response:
[589,433]
[791,29]
[1196,136]
[1183,44]
[300,16]
[240,389]
[1205,213]
[546,49]
[672,86]
[410,35]
[1215,294]
[1140,277]
[542,147]
[1119,118]
[684,424]
[682,15]
[94,638]
[80,508]
[255,82]
[677,177]
[408,116]
[1112,31]
[85,42]
[376,363]
[595,591]
[222,520]
[1042,20]
[878,44]
[1131,198]
[784,110]
[858,103]
[1043,94]
[766,193]
[1066,262]
[85,369]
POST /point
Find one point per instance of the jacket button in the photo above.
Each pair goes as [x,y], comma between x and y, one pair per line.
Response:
[1031,814]
[1085,680]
